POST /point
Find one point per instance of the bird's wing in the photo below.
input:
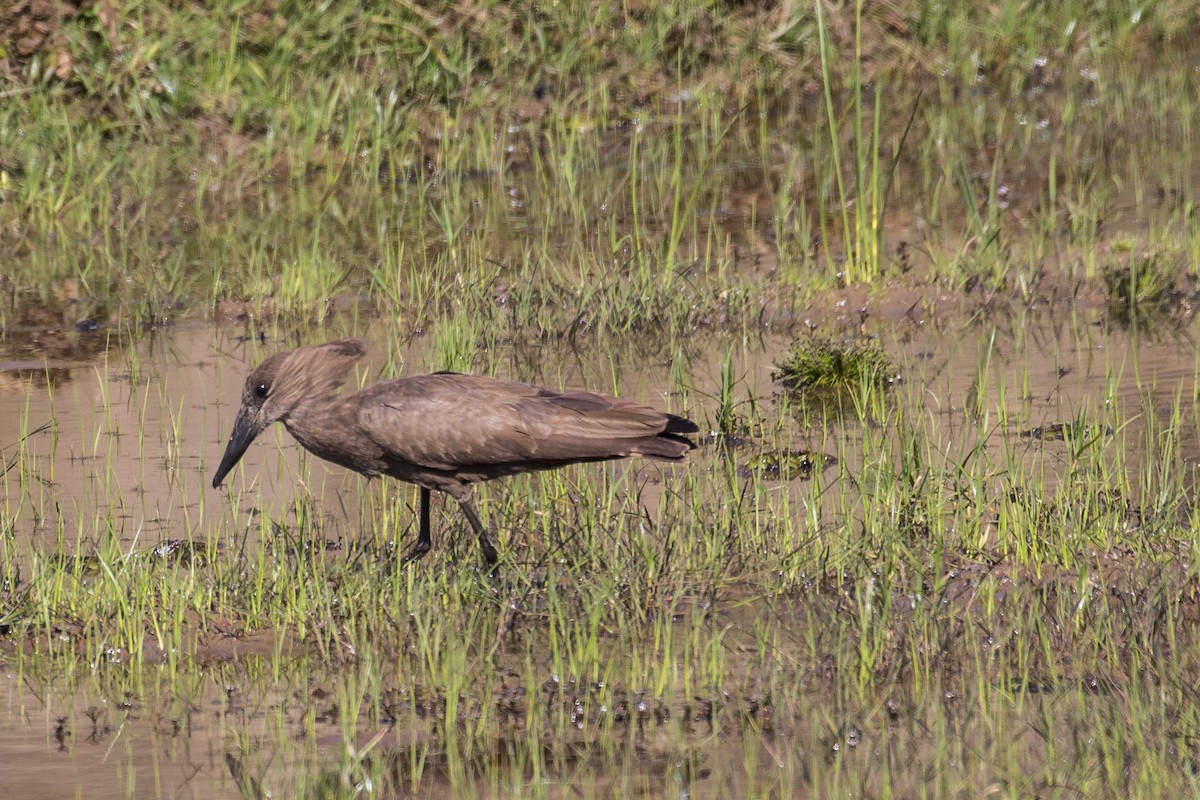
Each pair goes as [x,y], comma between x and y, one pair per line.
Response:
[453,421]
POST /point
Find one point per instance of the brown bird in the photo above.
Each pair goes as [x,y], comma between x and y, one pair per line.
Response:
[443,431]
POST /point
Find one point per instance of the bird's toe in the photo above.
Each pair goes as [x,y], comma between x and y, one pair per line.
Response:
[417,552]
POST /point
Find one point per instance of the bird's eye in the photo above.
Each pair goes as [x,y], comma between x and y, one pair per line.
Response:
[260,391]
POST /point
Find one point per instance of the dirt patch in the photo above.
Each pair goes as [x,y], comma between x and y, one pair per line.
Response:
[33,28]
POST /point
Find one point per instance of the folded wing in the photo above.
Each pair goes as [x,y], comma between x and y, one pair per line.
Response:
[448,422]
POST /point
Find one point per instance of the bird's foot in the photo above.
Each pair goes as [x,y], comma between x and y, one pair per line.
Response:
[417,552]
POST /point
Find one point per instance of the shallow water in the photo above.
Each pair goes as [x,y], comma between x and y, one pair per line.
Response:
[135,431]
[136,434]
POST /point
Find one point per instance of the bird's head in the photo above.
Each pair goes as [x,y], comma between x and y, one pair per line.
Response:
[282,385]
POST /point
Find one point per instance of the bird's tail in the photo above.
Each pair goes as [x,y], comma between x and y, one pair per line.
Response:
[672,444]
[680,425]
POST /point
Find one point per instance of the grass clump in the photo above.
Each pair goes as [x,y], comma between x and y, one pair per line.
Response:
[822,365]
[1140,283]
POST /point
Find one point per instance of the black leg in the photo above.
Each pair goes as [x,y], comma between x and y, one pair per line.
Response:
[424,540]
[485,541]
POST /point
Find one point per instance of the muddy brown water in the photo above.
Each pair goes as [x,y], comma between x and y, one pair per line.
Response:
[138,432]
[135,431]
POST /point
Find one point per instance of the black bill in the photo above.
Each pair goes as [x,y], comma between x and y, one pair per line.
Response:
[244,431]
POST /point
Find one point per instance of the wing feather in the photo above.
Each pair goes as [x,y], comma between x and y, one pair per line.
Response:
[453,421]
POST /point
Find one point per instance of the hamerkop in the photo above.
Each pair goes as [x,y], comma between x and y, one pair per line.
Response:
[443,431]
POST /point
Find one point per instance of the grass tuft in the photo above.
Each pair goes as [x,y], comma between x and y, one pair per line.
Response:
[823,365]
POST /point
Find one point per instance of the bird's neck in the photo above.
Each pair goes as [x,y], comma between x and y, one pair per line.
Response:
[322,423]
